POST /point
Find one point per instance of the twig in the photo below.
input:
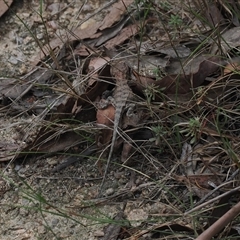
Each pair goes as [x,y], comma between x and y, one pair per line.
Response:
[220,223]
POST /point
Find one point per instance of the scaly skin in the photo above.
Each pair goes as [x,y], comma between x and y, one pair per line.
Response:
[122,94]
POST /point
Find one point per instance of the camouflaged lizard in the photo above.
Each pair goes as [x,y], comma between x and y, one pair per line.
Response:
[122,94]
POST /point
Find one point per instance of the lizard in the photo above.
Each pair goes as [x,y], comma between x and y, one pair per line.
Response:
[122,94]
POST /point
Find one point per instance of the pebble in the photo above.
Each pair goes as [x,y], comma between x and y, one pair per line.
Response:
[109,191]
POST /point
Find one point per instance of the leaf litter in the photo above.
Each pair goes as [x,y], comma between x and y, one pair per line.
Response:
[187,102]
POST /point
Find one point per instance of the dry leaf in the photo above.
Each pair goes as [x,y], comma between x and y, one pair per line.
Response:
[231,68]
[106,116]
[230,39]
[125,34]
[4,5]
[181,83]
[115,12]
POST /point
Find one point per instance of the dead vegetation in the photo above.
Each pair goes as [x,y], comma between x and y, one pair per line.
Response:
[178,140]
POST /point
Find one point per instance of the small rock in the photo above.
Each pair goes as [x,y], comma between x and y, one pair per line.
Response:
[17,167]
[137,216]
[52,161]
[109,191]
[13,60]
[55,222]
[86,7]
[41,229]
[98,233]
[40,36]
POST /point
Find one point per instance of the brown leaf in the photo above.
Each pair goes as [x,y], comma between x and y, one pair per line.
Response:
[106,116]
[98,31]
[57,44]
[181,83]
[109,33]
[228,40]
[231,67]
[199,183]
[126,153]
[142,82]
[95,67]
[179,51]
[125,34]
[97,63]
[115,13]
[214,15]
[103,137]
[4,5]
[84,51]
[202,180]
[12,88]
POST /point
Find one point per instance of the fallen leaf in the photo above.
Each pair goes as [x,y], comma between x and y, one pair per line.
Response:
[228,40]
[232,67]
[109,33]
[106,116]
[122,36]
[115,13]
[180,51]
[12,88]
[126,153]
[100,32]
[4,5]
[96,63]
[180,83]
[213,15]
